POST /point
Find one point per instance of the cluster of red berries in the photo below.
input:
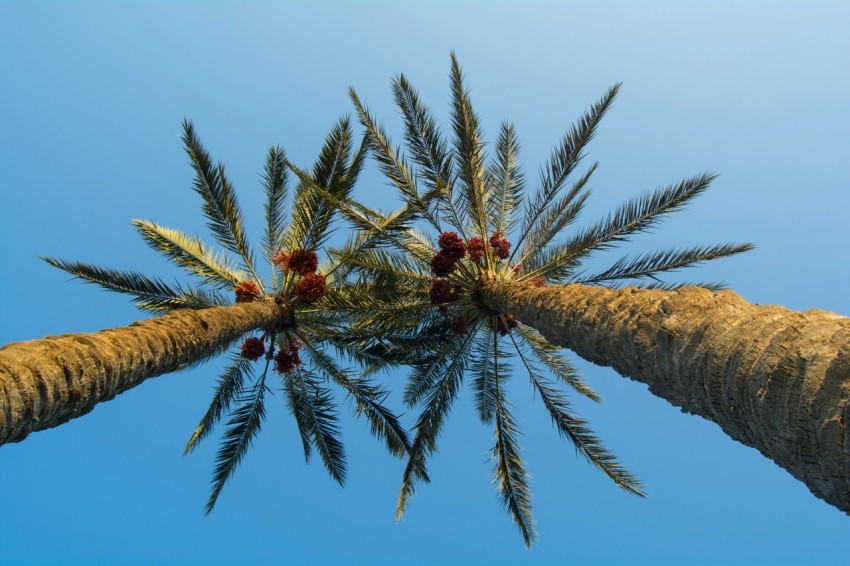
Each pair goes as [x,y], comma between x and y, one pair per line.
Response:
[284,361]
[503,327]
[476,248]
[246,292]
[301,261]
[310,285]
[501,246]
[253,348]
[443,291]
[459,325]
[452,250]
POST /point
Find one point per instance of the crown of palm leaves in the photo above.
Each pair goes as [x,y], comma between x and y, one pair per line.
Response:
[417,294]
[295,231]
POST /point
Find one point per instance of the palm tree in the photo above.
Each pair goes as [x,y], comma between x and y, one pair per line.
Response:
[47,382]
[495,282]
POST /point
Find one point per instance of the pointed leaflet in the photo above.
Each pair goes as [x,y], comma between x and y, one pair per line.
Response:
[648,264]
[563,161]
[511,477]
[317,409]
[149,294]
[230,386]
[506,178]
[367,398]
[219,200]
[469,150]
[243,426]
[275,184]
[190,253]
[636,215]
[577,430]
[430,422]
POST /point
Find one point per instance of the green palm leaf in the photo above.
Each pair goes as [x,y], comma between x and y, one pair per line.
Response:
[423,136]
[316,408]
[511,477]
[191,254]
[430,421]
[243,426]
[220,205]
[574,428]
[275,184]
[507,179]
[469,150]
[634,216]
[230,387]
[150,294]
[549,355]
[368,399]
[651,263]
[563,161]
[560,214]
[484,365]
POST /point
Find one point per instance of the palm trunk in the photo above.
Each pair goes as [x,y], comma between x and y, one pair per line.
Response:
[772,378]
[47,382]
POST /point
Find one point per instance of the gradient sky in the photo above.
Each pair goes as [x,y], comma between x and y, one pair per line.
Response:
[91,99]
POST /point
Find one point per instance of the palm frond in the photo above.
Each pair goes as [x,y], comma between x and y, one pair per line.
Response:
[509,472]
[429,150]
[317,410]
[312,212]
[243,426]
[507,179]
[565,157]
[190,253]
[150,294]
[275,184]
[636,215]
[673,285]
[421,381]
[469,150]
[230,385]
[368,399]
[560,214]
[391,164]
[648,264]
[430,422]
[298,403]
[548,355]
[484,366]
[577,430]
[220,204]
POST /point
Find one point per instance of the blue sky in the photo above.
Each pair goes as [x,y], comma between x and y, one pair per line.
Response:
[91,99]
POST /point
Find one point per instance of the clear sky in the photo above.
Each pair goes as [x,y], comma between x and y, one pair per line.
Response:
[91,99]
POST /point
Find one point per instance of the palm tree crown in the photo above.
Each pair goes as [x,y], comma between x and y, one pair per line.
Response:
[296,349]
[423,286]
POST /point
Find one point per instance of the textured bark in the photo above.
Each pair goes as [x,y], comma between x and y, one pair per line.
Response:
[774,379]
[47,382]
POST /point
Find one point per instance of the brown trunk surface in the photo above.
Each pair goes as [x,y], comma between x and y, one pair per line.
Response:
[47,382]
[774,379]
